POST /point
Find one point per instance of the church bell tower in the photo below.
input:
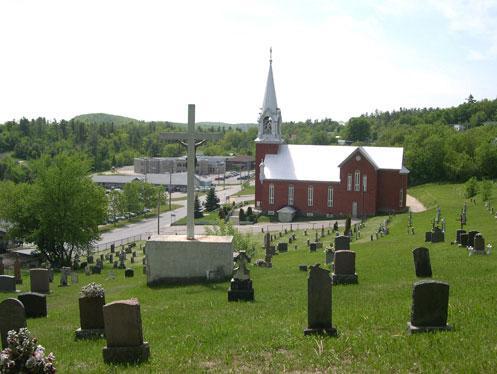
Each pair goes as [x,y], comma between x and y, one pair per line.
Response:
[269,132]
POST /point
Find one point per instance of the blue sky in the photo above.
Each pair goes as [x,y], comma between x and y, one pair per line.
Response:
[148,59]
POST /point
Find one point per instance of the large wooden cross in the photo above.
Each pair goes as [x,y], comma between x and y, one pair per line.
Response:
[189,140]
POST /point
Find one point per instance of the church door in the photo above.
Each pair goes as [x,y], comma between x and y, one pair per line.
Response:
[354,209]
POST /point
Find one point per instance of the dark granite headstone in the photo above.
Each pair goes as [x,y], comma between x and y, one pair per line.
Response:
[437,235]
[303,267]
[40,281]
[458,235]
[430,301]
[344,268]
[124,334]
[35,304]
[12,317]
[89,259]
[342,242]
[7,283]
[112,248]
[2,266]
[129,273]
[428,236]
[471,238]
[422,262]
[17,271]
[319,302]
[463,239]
[479,243]
[313,246]
[91,317]
[282,247]
[96,270]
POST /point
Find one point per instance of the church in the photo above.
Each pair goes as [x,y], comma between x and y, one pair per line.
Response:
[323,180]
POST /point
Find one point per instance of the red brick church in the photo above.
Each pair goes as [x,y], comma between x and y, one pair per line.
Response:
[323,180]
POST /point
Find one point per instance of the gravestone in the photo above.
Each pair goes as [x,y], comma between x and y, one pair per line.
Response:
[7,283]
[96,270]
[50,274]
[319,302]
[12,317]
[458,235]
[464,239]
[282,247]
[129,273]
[422,262]
[430,302]
[437,235]
[122,257]
[35,304]
[241,284]
[479,243]
[112,248]
[115,266]
[132,260]
[313,246]
[319,245]
[40,281]
[329,255]
[89,259]
[344,268]
[91,317]
[74,278]
[64,273]
[17,271]
[124,334]
[428,236]
[471,238]
[303,267]
[342,242]
[2,266]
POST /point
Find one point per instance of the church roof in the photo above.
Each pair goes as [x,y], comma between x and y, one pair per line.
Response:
[321,163]
[269,101]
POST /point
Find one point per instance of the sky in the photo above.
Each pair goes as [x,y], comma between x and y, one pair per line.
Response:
[149,59]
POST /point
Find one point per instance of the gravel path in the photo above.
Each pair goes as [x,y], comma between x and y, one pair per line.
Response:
[415,205]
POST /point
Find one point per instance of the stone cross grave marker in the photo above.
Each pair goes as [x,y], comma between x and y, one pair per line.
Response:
[430,302]
[12,317]
[319,302]
[422,262]
[191,140]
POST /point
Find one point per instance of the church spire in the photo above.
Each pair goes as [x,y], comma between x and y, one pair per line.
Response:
[270,116]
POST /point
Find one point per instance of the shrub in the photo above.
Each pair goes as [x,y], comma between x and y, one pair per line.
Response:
[241,215]
[92,290]
[24,355]
[471,187]
[486,190]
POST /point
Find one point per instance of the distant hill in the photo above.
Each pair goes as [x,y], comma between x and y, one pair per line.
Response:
[120,120]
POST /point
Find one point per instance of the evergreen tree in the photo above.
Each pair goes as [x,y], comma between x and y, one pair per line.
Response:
[241,215]
[197,212]
[212,201]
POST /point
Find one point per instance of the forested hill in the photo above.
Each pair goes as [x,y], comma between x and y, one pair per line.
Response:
[101,118]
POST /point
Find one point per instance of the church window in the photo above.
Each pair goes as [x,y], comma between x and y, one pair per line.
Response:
[401,198]
[349,182]
[266,123]
[330,196]
[310,195]
[364,183]
[271,193]
[290,194]
[357,184]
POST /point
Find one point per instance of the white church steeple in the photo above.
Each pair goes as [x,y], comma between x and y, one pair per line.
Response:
[270,116]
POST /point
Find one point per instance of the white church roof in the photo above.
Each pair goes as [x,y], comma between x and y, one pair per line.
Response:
[321,163]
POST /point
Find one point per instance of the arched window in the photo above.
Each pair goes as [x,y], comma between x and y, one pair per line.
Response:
[310,195]
[330,196]
[290,194]
[357,184]
[271,193]
[364,183]
[401,198]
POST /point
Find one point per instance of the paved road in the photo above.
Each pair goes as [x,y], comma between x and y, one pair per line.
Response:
[143,228]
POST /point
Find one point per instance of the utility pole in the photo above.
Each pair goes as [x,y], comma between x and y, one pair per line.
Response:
[158,212]
[169,190]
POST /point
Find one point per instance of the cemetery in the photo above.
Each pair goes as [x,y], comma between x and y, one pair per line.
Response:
[411,295]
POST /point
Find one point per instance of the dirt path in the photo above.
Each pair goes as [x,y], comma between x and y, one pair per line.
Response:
[415,205]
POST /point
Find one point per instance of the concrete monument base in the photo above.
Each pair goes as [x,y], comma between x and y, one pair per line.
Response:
[173,259]
[344,279]
[118,355]
[417,329]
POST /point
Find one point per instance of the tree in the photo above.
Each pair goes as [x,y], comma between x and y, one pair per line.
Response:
[133,197]
[197,211]
[358,129]
[117,204]
[211,201]
[60,212]
[471,99]
[486,190]
[471,187]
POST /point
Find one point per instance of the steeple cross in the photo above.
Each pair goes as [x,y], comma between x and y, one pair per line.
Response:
[191,140]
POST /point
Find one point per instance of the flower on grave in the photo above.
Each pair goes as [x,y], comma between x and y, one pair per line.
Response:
[24,355]
[92,290]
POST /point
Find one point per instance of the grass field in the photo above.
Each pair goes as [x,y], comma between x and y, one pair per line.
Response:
[195,329]
[246,190]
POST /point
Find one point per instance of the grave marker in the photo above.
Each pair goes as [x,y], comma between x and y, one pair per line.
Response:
[344,268]
[40,281]
[422,263]
[12,317]
[35,304]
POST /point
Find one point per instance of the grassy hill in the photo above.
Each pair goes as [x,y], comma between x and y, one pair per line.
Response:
[120,120]
[194,328]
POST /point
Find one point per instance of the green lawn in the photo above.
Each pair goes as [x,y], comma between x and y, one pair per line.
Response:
[209,218]
[195,329]
[246,190]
